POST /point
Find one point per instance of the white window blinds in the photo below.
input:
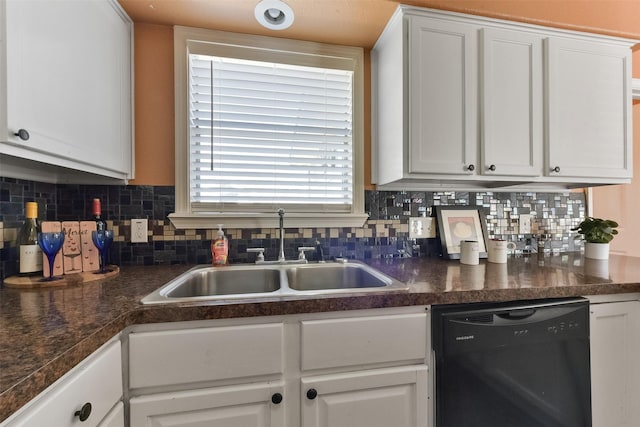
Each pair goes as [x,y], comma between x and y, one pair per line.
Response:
[268,135]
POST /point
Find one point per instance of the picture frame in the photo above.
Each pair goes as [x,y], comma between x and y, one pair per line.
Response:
[458,223]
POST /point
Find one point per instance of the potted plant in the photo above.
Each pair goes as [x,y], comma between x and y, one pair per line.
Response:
[597,234]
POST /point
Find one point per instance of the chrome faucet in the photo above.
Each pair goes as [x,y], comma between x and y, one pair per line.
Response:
[281,258]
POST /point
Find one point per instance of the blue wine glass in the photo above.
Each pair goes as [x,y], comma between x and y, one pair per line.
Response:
[102,239]
[50,243]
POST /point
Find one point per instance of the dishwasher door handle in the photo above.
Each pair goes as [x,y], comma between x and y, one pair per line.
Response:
[518,314]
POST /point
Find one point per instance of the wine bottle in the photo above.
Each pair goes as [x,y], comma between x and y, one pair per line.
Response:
[101,224]
[29,253]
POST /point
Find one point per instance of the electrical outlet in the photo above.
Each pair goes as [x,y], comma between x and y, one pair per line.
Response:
[422,228]
[139,229]
[525,223]
[415,228]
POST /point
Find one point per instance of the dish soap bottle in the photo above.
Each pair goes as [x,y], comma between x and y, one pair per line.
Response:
[220,248]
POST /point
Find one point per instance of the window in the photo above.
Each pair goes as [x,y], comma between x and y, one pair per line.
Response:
[269,134]
[265,123]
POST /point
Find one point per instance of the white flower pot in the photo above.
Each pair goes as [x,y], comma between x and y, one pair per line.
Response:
[596,250]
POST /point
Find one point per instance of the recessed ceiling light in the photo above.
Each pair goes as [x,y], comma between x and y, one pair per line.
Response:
[274,14]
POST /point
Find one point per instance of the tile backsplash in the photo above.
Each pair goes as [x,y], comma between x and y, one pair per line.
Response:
[385,234]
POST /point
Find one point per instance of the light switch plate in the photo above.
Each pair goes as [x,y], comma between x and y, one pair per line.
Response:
[422,228]
[139,229]
[524,223]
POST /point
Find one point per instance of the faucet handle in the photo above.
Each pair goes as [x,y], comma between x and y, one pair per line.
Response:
[302,250]
[319,255]
[259,251]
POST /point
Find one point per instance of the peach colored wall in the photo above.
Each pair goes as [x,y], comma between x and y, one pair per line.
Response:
[621,202]
[154,105]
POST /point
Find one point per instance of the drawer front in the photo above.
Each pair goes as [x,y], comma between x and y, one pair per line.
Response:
[365,340]
[206,354]
[97,380]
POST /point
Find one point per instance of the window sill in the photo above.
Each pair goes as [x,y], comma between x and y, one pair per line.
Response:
[261,220]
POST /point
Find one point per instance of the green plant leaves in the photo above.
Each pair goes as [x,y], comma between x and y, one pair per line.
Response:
[597,230]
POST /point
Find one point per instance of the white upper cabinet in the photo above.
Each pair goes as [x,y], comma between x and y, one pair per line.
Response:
[588,109]
[461,101]
[66,76]
[511,87]
[443,135]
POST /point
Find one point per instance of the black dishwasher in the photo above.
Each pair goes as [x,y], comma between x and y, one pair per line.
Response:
[517,364]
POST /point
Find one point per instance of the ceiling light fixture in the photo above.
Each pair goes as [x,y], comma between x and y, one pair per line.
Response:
[274,14]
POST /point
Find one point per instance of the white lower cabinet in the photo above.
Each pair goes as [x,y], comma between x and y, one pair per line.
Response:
[115,418]
[251,405]
[358,368]
[615,378]
[374,398]
[89,395]
[337,389]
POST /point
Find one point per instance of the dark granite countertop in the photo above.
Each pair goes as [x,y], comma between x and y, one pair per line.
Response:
[44,333]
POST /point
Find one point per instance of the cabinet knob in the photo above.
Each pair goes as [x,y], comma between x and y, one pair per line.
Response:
[312,393]
[276,398]
[556,169]
[22,134]
[471,168]
[492,168]
[84,412]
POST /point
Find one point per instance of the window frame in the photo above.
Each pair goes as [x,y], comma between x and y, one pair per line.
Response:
[217,43]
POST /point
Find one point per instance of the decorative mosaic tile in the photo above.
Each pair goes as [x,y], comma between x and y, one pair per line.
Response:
[384,235]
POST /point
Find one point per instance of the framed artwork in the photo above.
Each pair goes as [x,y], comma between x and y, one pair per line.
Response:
[458,223]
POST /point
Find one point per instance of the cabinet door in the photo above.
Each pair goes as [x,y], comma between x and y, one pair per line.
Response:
[233,406]
[115,418]
[512,103]
[97,380]
[68,72]
[377,398]
[588,106]
[442,91]
[615,379]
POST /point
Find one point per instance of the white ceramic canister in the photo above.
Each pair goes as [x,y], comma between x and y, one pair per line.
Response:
[469,252]
[497,250]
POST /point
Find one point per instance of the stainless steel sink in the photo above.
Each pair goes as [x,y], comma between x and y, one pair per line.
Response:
[315,277]
[203,283]
[211,281]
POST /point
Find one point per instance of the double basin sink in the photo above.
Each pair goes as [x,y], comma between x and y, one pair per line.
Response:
[203,283]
